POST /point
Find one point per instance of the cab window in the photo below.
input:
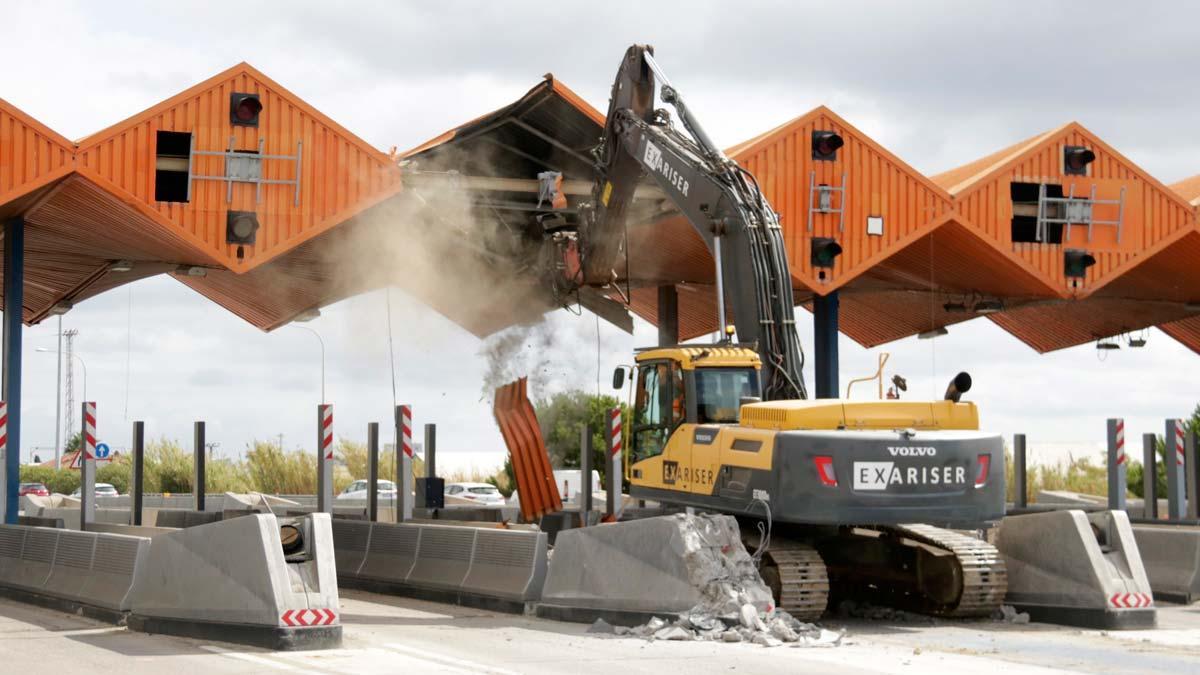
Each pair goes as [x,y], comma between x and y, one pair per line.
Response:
[719,393]
[654,409]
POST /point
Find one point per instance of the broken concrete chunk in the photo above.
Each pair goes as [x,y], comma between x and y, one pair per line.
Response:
[731,636]
[673,633]
[601,626]
[766,640]
[780,629]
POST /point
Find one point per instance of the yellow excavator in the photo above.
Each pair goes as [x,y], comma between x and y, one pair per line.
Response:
[853,497]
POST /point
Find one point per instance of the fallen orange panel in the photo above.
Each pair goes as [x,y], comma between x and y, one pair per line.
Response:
[531,462]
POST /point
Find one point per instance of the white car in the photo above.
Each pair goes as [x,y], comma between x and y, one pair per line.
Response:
[478,493]
[102,490]
[386,489]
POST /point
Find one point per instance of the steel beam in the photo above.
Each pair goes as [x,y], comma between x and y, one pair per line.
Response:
[1174,464]
[668,315]
[1020,477]
[825,344]
[10,382]
[373,471]
[200,473]
[1150,476]
[137,481]
[585,475]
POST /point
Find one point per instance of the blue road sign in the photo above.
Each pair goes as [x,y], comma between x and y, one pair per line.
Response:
[101,450]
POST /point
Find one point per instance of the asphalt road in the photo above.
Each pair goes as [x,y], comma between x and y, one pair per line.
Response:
[386,634]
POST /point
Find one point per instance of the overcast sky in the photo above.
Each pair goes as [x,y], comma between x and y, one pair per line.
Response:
[939,84]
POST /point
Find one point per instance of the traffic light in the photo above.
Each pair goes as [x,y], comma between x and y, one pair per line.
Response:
[825,145]
[1076,262]
[1076,159]
[824,250]
[241,227]
[244,109]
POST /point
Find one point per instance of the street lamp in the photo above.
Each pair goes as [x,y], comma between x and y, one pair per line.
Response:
[322,355]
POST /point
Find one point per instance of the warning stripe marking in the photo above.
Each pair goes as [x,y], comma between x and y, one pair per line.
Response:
[1131,600]
[406,429]
[615,430]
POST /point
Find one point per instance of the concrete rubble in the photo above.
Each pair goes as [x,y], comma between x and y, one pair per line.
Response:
[733,603]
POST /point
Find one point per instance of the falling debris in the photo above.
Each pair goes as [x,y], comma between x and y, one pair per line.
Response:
[1009,614]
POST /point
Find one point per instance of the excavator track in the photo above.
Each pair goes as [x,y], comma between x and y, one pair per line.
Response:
[797,576]
[917,568]
[982,573]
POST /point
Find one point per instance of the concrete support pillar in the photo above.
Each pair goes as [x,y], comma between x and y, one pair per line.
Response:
[373,471]
[404,460]
[138,479]
[615,466]
[199,449]
[10,381]
[668,316]
[325,458]
[1150,475]
[1020,477]
[1117,464]
[585,477]
[825,344]
[1176,452]
[87,466]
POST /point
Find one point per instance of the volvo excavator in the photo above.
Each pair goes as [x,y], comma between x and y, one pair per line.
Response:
[835,496]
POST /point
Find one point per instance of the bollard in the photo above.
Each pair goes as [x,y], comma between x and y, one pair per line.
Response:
[198,488]
[138,477]
[1174,439]
[1020,477]
[1150,476]
[1117,466]
[1190,466]
[325,458]
[585,475]
[614,464]
[372,471]
[404,458]
[87,466]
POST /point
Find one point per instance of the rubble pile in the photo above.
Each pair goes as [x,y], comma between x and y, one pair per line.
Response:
[769,629]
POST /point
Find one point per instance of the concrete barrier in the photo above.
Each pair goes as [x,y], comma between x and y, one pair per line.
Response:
[479,567]
[1171,555]
[1076,568]
[87,572]
[232,580]
[627,572]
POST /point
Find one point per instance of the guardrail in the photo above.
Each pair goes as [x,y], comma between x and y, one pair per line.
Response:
[90,571]
[478,567]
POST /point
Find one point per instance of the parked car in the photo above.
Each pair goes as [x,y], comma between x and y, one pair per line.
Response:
[481,493]
[386,489]
[102,490]
[36,489]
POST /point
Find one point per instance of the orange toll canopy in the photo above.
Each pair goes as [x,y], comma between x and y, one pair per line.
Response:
[531,462]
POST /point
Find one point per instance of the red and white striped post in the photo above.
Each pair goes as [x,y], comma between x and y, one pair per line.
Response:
[3,458]
[87,466]
[325,458]
[1175,437]
[404,463]
[1118,464]
[615,465]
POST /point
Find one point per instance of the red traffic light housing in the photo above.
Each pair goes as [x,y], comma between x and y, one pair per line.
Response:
[1076,159]
[244,109]
[824,250]
[825,145]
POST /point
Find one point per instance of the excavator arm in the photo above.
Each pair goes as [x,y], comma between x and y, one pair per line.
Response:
[722,201]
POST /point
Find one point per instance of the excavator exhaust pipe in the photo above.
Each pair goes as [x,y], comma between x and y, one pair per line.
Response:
[960,385]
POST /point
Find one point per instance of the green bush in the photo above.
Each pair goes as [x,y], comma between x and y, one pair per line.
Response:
[61,481]
[117,473]
[271,470]
[168,468]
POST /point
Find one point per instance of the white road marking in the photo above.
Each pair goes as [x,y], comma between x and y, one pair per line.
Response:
[259,660]
[467,666]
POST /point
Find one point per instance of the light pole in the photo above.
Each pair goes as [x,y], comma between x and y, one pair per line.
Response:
[322,355]
[58,404]
[44,350]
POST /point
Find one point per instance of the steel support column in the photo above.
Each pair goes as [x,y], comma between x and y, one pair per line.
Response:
[585,475]
[1150,475]
[198,487]
[1020,477]
[1191,465]
[668,316]
[10,382]
[404,464]
[825,344]
[1117,466]
[325,458]
[373,471]
[615,466]
[138,479]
